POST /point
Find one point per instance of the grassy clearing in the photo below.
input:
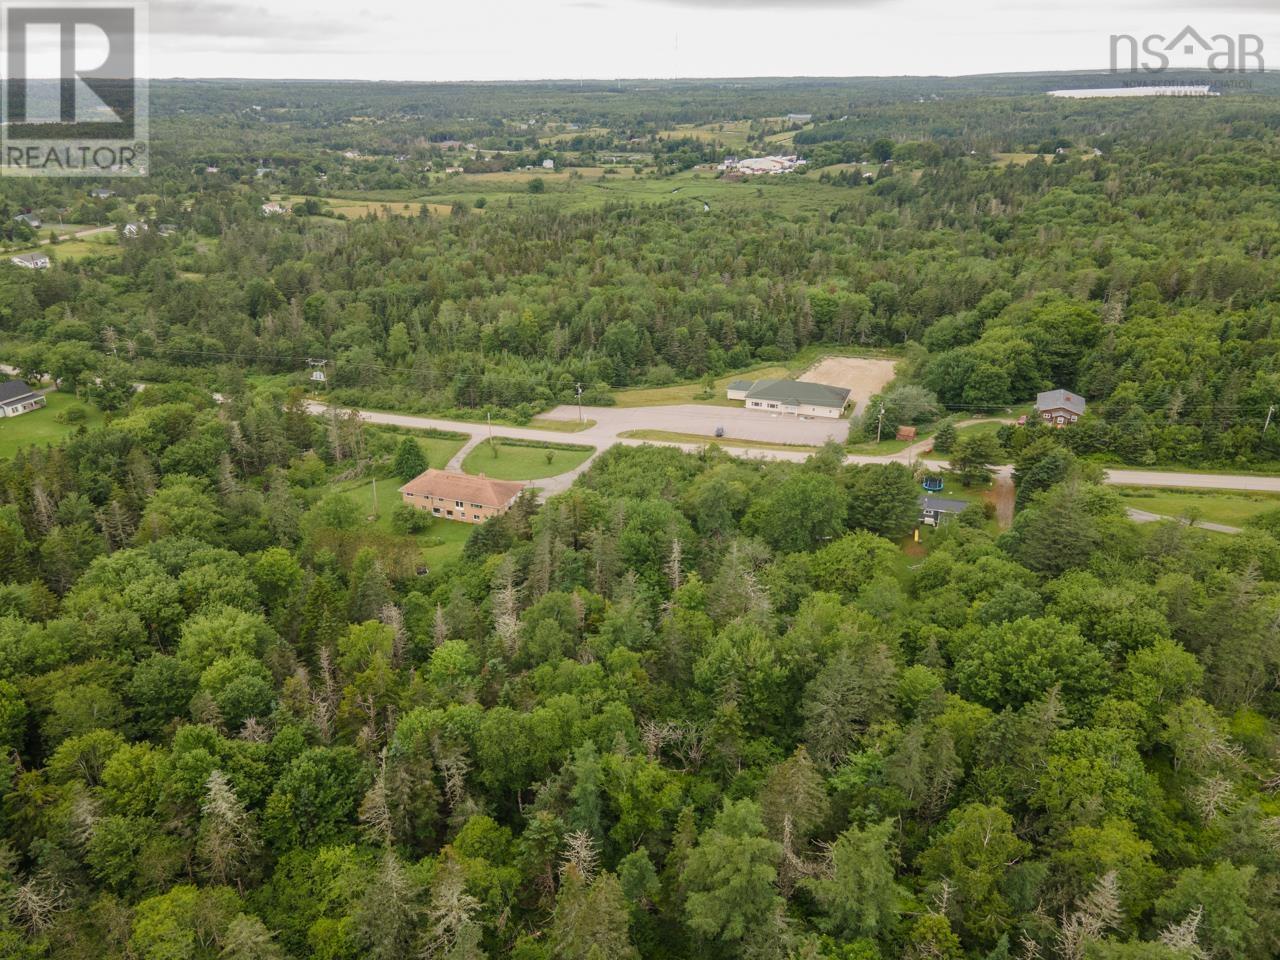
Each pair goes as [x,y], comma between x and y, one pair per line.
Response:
[693,392]
[355,208]
[98,245]
[510,459]
[561,426]
[784,196]
[1215,506]
[667,436]
[439,449]
[452,537]
[41,427]
[441,542]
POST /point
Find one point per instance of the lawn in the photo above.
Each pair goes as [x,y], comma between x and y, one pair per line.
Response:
[666,436]
[439,450]
[692,392]
[561,426]
[517,460]
[453,535]
[41,427]
[98,245]
[1230,508]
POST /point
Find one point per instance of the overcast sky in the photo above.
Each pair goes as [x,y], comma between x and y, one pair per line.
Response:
[532,39]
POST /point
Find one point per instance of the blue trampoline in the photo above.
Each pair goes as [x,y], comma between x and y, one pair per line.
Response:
[933,484]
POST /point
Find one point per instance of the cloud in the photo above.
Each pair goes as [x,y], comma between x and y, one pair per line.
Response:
[772,4]
[219,20]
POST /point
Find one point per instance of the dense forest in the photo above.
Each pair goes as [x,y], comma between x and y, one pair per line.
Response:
[695,706]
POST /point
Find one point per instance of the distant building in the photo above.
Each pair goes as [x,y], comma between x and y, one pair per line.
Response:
[933,510]
[756,166]
[101,193]
[167,229]
[1059,407]
[30,219]
[548,164]
[211,169]
[794,397]
[32,261]
[799,117]
[906,433]
[134,229]
[274,209]
[460,496]
[17,398]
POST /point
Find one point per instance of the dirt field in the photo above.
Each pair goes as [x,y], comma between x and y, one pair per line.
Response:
[862,376]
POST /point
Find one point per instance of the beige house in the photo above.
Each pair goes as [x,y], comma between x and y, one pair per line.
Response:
[460,496]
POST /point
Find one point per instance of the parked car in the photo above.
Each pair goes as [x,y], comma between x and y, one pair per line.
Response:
[719,431]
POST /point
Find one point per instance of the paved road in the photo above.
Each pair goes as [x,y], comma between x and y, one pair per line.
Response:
[605,433]
[1142,516]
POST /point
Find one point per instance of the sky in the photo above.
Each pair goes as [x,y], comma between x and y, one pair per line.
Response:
[583,39]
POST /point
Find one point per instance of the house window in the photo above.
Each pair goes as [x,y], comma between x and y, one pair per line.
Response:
[436,511]
[1060,420]
[448,513]
[773,406]
[457,503]
[477,506]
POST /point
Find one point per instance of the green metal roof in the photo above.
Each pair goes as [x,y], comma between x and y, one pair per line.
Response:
[797,391]
[740,384]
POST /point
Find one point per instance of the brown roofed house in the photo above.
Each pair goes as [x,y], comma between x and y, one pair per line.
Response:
[906,433]
[460,496]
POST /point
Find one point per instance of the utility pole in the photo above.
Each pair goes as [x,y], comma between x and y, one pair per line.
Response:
[375,496]
[880,423]
[580,403]
[1271,410]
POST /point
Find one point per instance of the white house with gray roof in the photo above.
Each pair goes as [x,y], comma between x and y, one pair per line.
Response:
[795,397]
[1058,408]
[31,261]
[933,510]
[17,397]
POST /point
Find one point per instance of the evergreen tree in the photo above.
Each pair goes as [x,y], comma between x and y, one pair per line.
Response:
[410,460]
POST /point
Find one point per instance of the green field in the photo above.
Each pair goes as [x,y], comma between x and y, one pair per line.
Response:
[893,445]
[1215,506]
[561,426]
[667,436]
[454,535]
[41,427]
[692,392]
[782,196]
[439,450]
[515,461]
